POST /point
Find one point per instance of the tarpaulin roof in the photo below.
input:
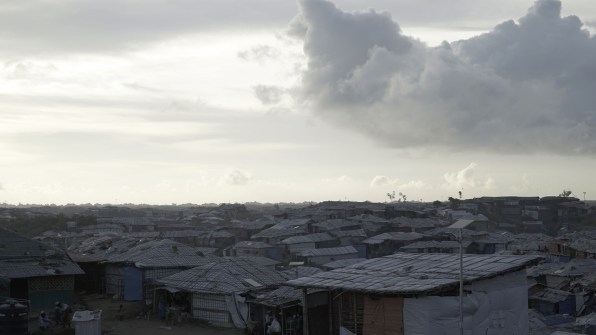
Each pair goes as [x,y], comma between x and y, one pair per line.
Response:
[413,273]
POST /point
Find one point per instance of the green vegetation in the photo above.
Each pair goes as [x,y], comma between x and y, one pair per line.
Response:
[32,226]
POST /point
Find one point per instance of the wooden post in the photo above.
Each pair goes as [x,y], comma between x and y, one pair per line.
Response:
[305,312]
[330,310]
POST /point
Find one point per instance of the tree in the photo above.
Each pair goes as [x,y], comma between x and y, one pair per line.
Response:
[391,196]
[403,196]
[454,202]
[565,193]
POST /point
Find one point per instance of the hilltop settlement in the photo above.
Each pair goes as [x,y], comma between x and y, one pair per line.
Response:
[489,265]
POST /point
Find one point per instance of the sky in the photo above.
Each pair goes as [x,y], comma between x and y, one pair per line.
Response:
[217,101]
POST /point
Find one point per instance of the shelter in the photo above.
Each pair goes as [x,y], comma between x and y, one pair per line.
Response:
[318,257]
[217,289]
[407,293]
[296,244]
[387,243]
[131,275]
[31,270]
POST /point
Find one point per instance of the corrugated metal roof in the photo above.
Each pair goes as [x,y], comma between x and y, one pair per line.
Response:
[99,248]
[317,237]
[161,253]
[285,228]
[367,218]
[282,296]
[265,261]
[335,224]
[573,268]
[328,251]
[461,223]
[14,245]
[300,271]
[550,295]
[393,236]
[181,233]
[27,268]
[412,273]
[418,222]
[349,233]
[435,244]
[342,263]
[223,277]
[252,245]
[22,257]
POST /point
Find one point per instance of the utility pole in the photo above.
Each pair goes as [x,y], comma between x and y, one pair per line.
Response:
[461,283]
[305,311]
[460,240]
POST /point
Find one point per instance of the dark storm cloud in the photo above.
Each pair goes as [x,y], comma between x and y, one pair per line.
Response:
[34,27]
[526,86]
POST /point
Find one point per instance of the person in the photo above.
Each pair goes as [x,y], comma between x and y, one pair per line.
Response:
[43,321]
[161,309]
[186,310]
[251,324]
[171,316]
[57,313]
[120,314]
[274,327]
[299,324]
[64,313]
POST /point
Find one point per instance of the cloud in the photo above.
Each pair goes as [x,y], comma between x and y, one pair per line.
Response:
[489,184]
[413,184]
[381,181]
[523,186]
[28,70]
[462,178]
[466,179]
[36,26]
[524,87]
[237,178]
[268,95]
[259,53]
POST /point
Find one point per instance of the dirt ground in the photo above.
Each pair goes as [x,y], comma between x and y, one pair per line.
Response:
[130,321]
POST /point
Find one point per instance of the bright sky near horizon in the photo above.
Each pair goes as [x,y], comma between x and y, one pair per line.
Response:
[215,101]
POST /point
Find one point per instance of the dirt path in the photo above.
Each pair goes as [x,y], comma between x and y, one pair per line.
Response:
[156,327]
[128,321]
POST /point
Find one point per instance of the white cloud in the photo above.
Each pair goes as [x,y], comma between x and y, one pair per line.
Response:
[523,186]
[259,53]
[526,86]
[382,181]
[413,184]
[489,184]
[460,179]
[237,178]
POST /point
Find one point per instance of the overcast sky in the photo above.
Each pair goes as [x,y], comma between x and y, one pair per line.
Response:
[183,101]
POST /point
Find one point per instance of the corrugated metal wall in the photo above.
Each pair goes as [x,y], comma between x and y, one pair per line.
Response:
[114,280]
[297,247]
[151,274]
[211,307]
